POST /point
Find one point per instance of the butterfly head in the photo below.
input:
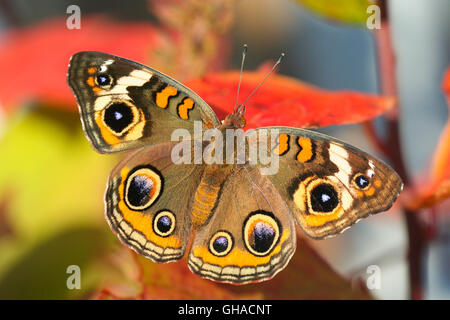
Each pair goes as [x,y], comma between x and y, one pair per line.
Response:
[236,119]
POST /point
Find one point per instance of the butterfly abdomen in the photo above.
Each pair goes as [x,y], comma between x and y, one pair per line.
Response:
[207,193]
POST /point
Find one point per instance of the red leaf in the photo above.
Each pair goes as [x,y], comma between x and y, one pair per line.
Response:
[307,276]
[286,101]
[441,164]
[33,61]
[438,187]
[446,85]
[432,196]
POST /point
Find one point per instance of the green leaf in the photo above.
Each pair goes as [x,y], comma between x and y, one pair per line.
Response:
[53,181]
[352,12]
[42,272]
[54,177]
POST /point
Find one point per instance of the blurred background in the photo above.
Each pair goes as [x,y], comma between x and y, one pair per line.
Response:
[52,182]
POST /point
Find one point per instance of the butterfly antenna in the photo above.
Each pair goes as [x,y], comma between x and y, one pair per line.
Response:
[260,84]
[244,53]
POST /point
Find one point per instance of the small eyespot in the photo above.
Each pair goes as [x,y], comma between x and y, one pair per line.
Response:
[103,80]
[142,187]
[118,116]
[221,243]
[164,223]
[361,181]
[261,232]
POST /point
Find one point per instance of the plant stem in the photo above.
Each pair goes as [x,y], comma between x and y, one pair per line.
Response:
[417,239]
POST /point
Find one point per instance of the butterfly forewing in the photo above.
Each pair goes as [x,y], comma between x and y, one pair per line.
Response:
[327,184]
[126,105]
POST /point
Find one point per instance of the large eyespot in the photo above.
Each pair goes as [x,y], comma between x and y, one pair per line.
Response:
[261,232]
[143,186]
[361,181]
[323,198]
[221,243]
[164,223]
[119,117]
[104,80]
[315,195]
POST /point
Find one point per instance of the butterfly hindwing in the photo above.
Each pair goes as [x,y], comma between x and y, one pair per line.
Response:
[250,236]
[125,105]
[148,201]
[327,184]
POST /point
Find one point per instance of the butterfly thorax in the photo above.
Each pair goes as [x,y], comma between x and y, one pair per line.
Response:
[215,175]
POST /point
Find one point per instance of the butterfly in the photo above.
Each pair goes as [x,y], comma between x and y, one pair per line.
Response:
[241,224]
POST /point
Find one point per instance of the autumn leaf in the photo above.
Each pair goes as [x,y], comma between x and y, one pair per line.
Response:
[446,85]
[34,60]
[431,197]
[438,187]
[307,276]
[286,101]
[301,103]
